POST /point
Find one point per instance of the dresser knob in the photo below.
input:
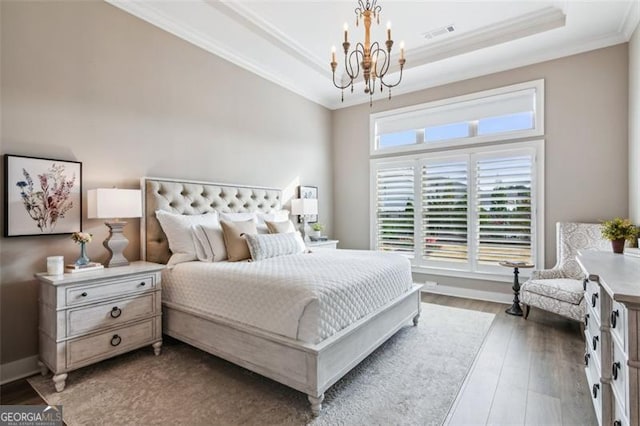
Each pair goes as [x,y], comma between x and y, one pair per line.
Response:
[594,299]
[595,390]
[586,359]
[142,284]
[614,370]
[116,312]
[614,318]
[584,284]
[115,340]
[617,423]
[595,342]
[586,320]
[84,294]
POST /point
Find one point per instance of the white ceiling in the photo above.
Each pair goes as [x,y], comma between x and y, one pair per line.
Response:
[289,42]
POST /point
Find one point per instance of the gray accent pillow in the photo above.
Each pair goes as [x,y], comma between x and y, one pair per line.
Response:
[265,246]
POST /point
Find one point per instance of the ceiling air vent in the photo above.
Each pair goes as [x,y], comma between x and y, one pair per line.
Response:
[439,32]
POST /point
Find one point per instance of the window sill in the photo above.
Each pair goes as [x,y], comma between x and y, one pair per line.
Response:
[507,277]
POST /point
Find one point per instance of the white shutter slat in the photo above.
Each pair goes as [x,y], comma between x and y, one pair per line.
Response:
[503,205]
[395,212]
[444,203]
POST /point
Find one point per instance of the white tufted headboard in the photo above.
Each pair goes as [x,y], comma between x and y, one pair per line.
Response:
[192,197]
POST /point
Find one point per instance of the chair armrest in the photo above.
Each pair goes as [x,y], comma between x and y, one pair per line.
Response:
[547,274]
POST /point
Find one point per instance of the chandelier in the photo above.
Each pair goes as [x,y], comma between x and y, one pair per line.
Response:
[370,58]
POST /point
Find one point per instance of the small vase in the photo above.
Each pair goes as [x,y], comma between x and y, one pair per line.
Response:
[83,260]
[316,234]
[618,245]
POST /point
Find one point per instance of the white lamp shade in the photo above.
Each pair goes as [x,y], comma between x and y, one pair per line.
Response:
[304,206]
[114,203]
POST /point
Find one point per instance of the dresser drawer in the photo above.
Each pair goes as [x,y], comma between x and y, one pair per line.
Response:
[96,317]
[108,289]
[101,346]
[592,296]
[595,389]
[619,375]
[593,340]
[619,415]
[619,323]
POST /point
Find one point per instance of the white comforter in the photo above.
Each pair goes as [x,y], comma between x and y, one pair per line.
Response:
[308,296]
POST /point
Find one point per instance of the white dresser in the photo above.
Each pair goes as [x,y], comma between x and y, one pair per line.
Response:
[90,316]
[612,334]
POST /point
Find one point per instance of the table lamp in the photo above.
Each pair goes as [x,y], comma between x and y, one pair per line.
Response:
[304,207]
[114,203]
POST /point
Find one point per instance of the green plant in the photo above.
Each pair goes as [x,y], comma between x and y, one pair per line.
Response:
[317,227]
[619,229]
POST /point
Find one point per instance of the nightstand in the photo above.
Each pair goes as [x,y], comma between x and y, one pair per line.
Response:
[328,244]
[87,317]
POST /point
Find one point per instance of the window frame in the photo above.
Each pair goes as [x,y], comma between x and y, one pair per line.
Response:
[471,154]
[480,97]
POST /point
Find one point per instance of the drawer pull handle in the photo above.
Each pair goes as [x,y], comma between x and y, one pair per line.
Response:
[617,423]
[115,340]
[595,390]
[584,284]
[614,318]
[614,370]
[594,299]
[586,320]
[586,359]
[595,342]
[84,294]
[116,312]
[142,284]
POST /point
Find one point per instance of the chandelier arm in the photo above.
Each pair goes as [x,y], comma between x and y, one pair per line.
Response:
[397,82]
[349,65]
[350,83]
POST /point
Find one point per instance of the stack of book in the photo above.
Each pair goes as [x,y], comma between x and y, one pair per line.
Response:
[91,266]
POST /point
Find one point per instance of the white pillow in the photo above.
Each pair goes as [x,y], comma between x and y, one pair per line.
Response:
[273,216]
[177,228]
[238,217]
[209,242]
[271,245]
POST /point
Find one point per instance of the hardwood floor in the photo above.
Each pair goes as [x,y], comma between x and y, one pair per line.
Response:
[527,372]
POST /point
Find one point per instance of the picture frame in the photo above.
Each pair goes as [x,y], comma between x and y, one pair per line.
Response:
[42,196]
[305,191]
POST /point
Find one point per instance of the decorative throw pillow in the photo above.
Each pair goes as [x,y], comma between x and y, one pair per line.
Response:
[280,227]
[271,245]
[177,228]
[273,216]
[237,248]
[209,241]
[239,217]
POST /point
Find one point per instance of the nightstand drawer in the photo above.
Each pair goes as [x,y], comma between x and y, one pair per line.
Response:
[100,346]
[619,323]
[619,375]
[96,317]
[108,289]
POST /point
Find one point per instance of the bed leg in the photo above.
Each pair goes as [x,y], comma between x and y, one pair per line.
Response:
[316,404]
[416,319]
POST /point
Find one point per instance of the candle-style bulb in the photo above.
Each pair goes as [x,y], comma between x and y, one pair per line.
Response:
[402,50]
[346,32]
[389,30]
[333,54]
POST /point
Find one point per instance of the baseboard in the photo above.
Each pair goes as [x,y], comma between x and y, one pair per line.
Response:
[470,293]
[18,369]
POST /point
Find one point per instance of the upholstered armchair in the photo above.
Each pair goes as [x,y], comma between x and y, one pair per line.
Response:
[560,290]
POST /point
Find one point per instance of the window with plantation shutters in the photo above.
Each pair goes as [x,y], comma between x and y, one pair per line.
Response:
[394,200]
[444,187]
[503,206]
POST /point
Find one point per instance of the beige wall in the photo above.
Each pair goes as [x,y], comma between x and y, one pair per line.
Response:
[585,149]
[86,81]
[634,127]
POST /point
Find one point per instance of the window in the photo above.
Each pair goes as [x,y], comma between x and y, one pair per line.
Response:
[461,210]
[491,116]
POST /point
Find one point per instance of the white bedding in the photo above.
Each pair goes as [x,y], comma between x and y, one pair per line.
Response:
[308,296]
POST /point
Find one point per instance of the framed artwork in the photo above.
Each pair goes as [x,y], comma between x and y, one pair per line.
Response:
[308,192]
[42,196]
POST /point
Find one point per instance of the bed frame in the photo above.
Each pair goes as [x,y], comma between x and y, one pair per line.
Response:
[306,367]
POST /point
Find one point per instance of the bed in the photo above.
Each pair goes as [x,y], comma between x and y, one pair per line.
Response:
[309,354]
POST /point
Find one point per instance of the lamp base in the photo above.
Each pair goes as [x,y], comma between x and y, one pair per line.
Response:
[303,229]
[115,245]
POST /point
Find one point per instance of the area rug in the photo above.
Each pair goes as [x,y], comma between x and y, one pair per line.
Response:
[411,379]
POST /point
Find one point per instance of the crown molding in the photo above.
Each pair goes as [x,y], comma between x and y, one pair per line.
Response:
[631,20]
[146,12]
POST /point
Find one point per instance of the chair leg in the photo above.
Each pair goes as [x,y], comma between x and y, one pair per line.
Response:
[527,308]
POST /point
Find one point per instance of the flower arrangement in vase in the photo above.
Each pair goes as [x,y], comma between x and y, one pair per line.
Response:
[617,231]
[82,238]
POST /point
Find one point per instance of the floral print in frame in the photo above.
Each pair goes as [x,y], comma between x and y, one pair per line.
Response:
[42,196]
